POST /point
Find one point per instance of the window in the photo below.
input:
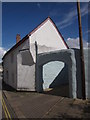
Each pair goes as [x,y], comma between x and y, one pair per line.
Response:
[26,58]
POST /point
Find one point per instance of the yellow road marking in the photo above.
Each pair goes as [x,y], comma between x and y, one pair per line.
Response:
[6,109]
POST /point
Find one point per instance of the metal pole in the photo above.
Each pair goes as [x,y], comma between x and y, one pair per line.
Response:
[81,52]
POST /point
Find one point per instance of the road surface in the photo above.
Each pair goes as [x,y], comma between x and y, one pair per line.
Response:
[41,105]
[5,109]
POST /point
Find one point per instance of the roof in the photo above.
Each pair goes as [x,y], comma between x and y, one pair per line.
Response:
[35,29]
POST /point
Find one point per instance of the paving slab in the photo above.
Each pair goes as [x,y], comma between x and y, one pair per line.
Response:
[68,109]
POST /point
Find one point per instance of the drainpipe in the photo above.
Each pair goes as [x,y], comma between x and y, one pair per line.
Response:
[36,79]
[81,52]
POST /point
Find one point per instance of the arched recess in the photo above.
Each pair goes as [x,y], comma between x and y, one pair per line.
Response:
[55,78]
[66,56]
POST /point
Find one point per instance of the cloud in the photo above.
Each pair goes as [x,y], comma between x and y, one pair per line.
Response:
[70,17]
[74,43]
[65,25]
[84,10]
[88,31]
[2,52]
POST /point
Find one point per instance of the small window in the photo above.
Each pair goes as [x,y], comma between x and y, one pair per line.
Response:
[26,58]
[12,58]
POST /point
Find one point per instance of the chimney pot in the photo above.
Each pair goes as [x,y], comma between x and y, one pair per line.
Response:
[18,38]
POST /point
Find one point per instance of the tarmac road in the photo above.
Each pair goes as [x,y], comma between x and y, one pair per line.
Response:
[40,105]
[5,109]
[8,111]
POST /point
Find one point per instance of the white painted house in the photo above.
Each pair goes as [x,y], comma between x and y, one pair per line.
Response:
[19,62]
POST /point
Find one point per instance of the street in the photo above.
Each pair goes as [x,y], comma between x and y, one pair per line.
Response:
[40,105]
[5,109]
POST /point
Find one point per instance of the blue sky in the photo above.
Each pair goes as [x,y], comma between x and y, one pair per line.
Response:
[22,17]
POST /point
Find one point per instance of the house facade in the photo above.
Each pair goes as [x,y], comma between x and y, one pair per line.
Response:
[19,63]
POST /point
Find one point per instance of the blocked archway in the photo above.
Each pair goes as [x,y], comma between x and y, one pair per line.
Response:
[66,56]
[55,78]
[51,74]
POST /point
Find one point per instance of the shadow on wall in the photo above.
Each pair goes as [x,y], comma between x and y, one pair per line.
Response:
[78,73]
[62,90]
[26,57]
[7,87]
[60,85]
[61,78]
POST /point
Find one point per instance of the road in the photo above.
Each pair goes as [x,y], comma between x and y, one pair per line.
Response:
[5,109]
[41,105]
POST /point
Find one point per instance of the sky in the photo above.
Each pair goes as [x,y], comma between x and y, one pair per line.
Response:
[23,17]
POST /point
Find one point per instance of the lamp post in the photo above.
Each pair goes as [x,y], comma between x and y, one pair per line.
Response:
[81,52]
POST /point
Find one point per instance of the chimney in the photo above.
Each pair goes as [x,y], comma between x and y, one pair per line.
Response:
[18,38]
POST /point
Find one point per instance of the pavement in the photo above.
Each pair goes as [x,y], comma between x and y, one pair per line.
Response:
[40,105]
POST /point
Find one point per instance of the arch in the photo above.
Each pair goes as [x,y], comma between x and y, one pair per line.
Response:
[53,74]
[66,56]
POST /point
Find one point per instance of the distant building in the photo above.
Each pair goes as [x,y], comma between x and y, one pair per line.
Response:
[19,62]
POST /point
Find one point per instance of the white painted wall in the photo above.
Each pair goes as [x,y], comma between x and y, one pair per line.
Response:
[47,39]
[11,68]
[24,75]
[50,72]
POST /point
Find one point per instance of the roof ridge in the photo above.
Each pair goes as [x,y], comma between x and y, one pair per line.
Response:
[30,33]
[38,26]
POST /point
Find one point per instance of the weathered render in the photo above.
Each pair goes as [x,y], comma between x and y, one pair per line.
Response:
[67,56]
[78,73]
[24,63]
[10,65]
[47,38]
[87,71]
[19,62]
